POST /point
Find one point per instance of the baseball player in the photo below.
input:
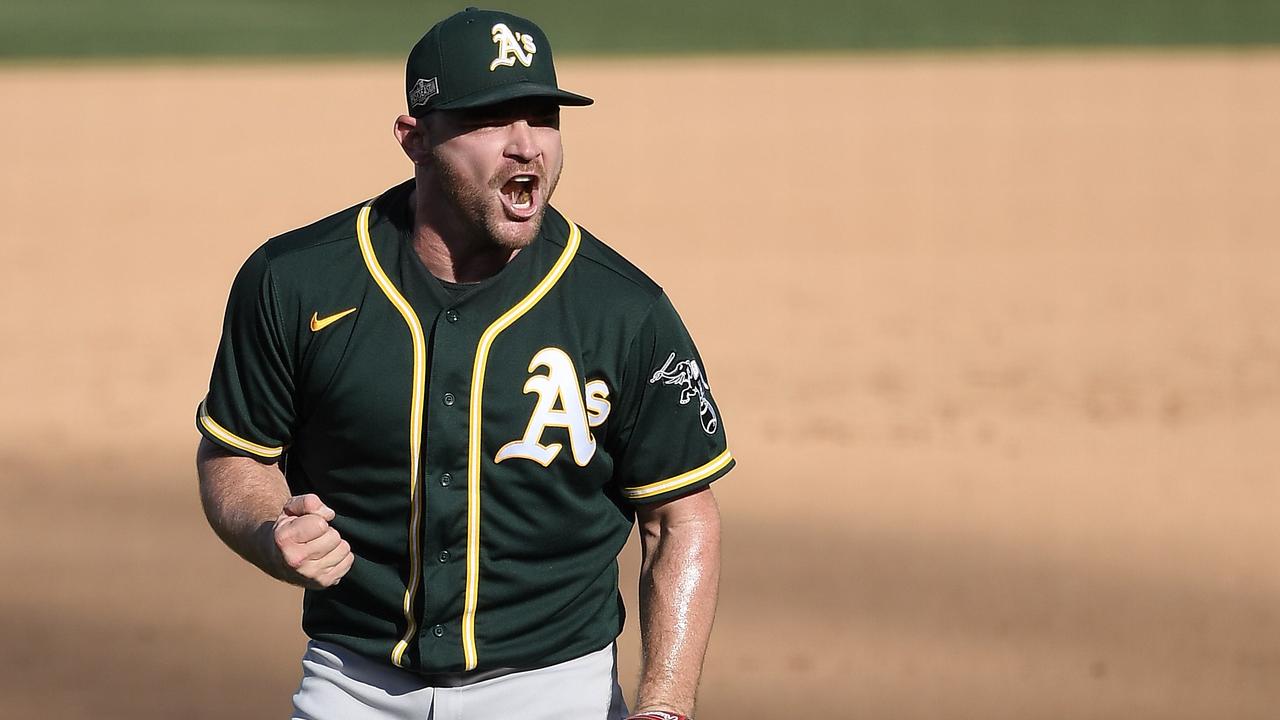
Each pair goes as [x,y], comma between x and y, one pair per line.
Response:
[442,410]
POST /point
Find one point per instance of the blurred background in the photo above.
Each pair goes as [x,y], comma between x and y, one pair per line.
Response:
[985,290]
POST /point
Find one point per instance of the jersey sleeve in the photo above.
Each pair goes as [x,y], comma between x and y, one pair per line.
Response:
[671,438]
[250,409]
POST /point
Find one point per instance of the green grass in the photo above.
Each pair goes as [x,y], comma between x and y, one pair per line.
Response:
[141,28]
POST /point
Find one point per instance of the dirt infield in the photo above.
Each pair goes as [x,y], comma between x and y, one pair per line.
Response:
[994,337]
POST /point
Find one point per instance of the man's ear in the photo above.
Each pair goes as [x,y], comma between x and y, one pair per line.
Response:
[411,134]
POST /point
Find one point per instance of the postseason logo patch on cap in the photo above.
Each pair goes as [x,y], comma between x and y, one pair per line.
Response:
[423,91]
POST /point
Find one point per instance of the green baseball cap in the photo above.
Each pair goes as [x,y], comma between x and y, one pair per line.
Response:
[481,57]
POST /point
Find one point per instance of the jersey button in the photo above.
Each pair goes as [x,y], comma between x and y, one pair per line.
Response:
[438,631]
[443,556]
[451,316]
[448,398]
[445,479]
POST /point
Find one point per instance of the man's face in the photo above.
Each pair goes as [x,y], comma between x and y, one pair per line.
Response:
[498,166]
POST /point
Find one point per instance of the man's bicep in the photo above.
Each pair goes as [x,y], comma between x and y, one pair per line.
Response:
[238,493]
[211,456]
[698,507]
[220,471]
[208,454]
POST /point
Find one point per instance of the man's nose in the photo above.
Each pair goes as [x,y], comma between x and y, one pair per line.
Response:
[520,144]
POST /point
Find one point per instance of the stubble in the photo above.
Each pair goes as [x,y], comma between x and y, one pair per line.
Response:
[477,208]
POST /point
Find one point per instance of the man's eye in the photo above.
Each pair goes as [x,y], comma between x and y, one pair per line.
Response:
[476,122]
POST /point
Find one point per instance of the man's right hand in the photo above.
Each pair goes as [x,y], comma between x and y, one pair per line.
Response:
[311,552]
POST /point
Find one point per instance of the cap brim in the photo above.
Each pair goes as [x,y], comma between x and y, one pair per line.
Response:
[501,94]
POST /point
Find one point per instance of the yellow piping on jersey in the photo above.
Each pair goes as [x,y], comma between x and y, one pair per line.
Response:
[415,429]
[473,448]
[680,480]
[234,440]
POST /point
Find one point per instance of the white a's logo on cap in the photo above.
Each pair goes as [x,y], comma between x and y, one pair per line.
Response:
[512,46]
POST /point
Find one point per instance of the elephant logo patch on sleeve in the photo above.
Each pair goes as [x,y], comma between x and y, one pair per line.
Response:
[688,376]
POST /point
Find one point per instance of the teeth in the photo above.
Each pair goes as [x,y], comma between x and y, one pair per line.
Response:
[521,192]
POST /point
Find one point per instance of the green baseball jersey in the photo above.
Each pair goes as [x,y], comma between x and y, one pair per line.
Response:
[483,447]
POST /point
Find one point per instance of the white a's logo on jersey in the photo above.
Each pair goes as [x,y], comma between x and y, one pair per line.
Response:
[512,46]
[562,403]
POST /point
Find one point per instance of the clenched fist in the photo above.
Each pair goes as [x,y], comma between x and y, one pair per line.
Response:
[313,554]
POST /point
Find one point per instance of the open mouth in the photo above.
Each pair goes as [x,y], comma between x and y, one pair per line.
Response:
[520,196]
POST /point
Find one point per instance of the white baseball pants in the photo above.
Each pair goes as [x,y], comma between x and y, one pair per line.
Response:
[338,684]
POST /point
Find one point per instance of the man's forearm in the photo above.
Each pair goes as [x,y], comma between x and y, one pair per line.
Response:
[242,499]
[678,586]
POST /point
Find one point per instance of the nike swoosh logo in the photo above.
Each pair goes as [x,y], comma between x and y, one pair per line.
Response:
[318,324]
